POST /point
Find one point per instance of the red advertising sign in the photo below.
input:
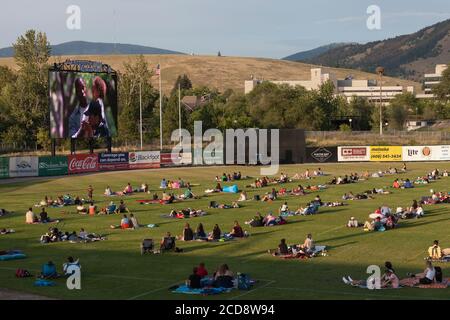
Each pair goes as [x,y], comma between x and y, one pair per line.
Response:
[80,163]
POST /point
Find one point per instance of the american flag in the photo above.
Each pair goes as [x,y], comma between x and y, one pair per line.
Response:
[158,70]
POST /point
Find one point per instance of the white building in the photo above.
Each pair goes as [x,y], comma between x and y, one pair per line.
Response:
[432,79]
[348,88]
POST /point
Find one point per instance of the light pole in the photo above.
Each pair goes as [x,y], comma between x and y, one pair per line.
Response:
[350,120]
[380,71]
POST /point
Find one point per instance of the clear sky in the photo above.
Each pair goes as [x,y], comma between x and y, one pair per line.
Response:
[260,28]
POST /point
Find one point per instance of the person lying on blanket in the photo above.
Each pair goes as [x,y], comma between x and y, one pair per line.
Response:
[257,221]
[388,280]
[298,191]
[6,231]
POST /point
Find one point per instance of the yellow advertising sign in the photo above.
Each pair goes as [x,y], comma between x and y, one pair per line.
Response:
[386,153]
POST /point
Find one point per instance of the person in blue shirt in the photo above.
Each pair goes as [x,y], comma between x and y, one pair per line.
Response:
[163,184]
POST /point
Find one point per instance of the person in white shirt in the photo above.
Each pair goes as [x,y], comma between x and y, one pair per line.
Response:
[83,234]
[30,217]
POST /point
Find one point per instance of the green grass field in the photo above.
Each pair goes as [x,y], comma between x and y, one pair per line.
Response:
[114,269]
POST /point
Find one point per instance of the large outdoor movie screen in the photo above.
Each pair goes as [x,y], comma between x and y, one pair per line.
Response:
[82,105]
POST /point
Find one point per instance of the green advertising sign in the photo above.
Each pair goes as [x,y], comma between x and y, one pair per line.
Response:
[53,166]
[4,167]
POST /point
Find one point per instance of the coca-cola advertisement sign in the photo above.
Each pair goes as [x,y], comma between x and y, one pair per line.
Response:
[80,163]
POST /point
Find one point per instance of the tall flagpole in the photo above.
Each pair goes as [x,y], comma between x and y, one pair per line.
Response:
[140,111]
[179,109]
[160,111]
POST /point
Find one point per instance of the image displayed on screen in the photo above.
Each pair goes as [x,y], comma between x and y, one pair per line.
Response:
[82,105]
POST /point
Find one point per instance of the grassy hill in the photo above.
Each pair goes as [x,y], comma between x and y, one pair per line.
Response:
[408,56]
[223,72]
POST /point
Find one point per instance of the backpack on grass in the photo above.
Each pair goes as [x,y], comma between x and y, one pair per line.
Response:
[22,273]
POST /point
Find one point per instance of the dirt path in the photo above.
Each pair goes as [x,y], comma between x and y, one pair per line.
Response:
[6,294]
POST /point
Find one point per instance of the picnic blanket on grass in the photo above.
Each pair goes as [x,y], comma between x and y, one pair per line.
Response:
[204,291]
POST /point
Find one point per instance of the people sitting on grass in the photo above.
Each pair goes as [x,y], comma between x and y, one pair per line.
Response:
[30,217]
[188,233]
[134,222]
[186,213]
[194,280]
[223,277]
[308,245]
[125,223]
[70,262]
[122,208]
[110,209]
[215,205]
[4,231]
[309,209]
[237,231]
[427,277]
[48,271]
[396,184]
[358,196]
[188,194]
[200,233]
[388,280]
[108,192]
[284,209]
[407,184]
[216,233]
[4,212]
[271,196]
[374,225]
[257,221]
[201,270]
[167,243]
[243,196]
[353,223]
[163,184]
[143,188]
[298,191]
[92,209]
[282,249]
[435,253]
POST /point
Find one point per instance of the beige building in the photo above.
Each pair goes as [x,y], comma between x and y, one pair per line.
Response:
[432,79]
[348,88]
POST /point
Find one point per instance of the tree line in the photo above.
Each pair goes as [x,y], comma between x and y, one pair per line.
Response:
[24,114]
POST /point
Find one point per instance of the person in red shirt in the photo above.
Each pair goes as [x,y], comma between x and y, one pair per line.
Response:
[201,270]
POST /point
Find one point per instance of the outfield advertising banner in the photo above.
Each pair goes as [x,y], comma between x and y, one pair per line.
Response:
[81,163]
[440,153]
[353,154]
[23,167]
[169,160]
[4,168]
[321,155]
[53,166]
[386,153]
[144,160]
[113,161]
[417,153]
